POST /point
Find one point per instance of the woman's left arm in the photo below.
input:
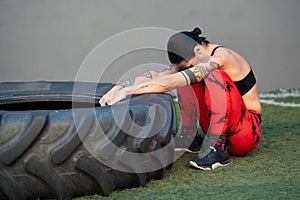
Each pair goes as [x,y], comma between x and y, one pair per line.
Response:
[157,85]
[168,82]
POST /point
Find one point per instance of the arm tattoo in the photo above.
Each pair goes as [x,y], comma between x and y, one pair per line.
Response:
[143,86]
[131,81]
[184,75]
[191,75]
[201,71]
[148,75]
[128,83]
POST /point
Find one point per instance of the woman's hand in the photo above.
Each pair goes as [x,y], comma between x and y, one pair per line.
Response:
[107,98]
[119,96]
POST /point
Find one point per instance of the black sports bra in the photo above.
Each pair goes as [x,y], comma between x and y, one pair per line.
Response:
[246,83]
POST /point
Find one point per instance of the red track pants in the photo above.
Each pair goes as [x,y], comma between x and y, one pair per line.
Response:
[219,106]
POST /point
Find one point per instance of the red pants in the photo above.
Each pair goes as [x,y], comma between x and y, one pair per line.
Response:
[218,105]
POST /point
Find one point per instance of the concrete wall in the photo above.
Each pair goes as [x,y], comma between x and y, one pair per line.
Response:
[49,39]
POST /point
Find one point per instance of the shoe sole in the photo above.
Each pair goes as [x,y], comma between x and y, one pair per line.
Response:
[185,150]
[214,166]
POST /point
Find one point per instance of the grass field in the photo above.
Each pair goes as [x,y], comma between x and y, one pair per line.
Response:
[271,171]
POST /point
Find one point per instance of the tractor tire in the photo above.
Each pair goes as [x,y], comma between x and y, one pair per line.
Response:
[51,146]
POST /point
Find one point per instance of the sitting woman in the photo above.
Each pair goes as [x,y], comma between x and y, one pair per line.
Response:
[225,90]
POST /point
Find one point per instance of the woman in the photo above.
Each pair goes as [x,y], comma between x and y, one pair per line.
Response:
[225,89]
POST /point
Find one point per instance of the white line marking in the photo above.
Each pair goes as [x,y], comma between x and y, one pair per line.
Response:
[283,104]
[282,94]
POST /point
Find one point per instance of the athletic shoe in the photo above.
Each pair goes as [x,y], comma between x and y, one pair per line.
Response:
[211,159]
[183,144]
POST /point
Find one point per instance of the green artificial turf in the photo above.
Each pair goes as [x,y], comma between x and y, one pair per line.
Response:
[271,171]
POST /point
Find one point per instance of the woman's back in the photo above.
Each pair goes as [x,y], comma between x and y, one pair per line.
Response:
[238,68]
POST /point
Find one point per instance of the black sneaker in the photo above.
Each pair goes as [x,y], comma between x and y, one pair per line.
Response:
[211,159]
[183,144]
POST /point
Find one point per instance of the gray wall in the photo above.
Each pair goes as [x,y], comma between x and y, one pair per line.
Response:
[49,39]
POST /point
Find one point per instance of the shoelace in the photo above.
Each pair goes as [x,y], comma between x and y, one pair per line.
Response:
[206,152]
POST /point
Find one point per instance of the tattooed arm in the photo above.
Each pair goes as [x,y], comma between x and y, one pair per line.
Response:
[137,80]
[168,82]
[200,71]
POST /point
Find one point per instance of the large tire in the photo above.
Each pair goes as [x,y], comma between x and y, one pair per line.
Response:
[42,148]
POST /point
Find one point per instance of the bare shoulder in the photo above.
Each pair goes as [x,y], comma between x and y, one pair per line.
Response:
[232,59]
[223,54]
[232,55]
